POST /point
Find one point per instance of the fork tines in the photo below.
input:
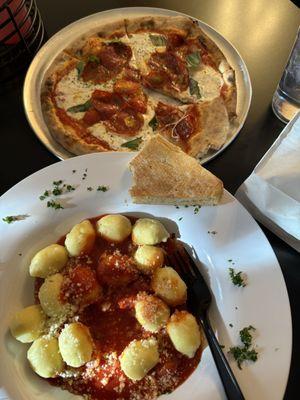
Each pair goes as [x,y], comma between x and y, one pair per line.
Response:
[184,264]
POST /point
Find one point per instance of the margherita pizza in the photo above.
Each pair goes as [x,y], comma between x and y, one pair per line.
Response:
[136,78]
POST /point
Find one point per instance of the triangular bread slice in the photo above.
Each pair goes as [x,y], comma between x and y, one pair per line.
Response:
[164,174]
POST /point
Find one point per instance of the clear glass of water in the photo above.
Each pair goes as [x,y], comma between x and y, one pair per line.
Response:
[286,99]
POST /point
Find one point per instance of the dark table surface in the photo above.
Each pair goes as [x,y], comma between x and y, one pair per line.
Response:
[263,31]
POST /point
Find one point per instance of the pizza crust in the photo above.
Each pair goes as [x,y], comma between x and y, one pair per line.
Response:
[211,132]
[109,30]
[68,138]
[180,25]
[214,128]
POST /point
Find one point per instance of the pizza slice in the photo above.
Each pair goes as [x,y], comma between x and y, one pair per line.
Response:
[175,57]
[195,128]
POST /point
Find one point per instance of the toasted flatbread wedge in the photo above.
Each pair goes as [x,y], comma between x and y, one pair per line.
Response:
[164,174]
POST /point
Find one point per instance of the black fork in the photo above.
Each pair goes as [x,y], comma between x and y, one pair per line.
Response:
[199,300]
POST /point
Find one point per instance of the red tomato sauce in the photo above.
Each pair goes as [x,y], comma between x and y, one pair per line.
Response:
[113,326]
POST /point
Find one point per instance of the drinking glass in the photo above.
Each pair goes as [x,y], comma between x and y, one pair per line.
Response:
[286,99]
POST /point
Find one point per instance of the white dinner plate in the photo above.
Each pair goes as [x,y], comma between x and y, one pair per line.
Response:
[263,303]
[47,54]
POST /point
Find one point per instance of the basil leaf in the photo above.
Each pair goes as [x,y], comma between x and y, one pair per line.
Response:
[80,67]
[93,58]
[158,40]
[153,123]
[80,107]
[194,88]
[193,59]
[133,144]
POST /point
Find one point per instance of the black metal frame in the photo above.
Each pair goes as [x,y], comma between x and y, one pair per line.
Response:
[15,57]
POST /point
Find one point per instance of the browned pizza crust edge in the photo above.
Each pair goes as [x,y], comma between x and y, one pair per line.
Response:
[214,128]
[212,131]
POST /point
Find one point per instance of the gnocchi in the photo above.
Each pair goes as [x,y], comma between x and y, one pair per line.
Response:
[184,333]
[103,324]
[28,324]
[75,344]
[45,358]
[167,284]
[151,312]
[149,231]
[50,296]
[148,258]
[139,357]
[80,239]
[48,261]
[114,228]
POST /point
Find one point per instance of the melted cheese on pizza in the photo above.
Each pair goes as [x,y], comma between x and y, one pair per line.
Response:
[142,47]
[114,140]
[71,91]
[209,81]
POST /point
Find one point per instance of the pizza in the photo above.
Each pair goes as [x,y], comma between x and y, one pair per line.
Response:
[134,78]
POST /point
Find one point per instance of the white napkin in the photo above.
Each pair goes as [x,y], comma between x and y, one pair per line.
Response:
[272,192]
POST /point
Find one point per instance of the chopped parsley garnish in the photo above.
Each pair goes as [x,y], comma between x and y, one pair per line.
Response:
[179,219]
[54,204]
[153,123]
[89,188]
[9,219]
[236,277]
[57,191]
[93,58]
[44,195]
[80,67]
[244,353]
[197,209]
[212,232]
[70,188]
[133,144]
[12,218]
[102,188]
[245,335]
[57,183]
[193,59]
[231,326]
[194,88]
[80,107]
[158,40]
[230,260]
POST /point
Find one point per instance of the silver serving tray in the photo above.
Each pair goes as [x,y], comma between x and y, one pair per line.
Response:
[44,58]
